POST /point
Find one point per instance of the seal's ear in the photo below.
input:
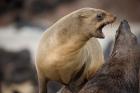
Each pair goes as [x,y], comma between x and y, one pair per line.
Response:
[83,15]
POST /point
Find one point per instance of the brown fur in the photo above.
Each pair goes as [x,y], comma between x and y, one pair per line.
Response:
[67,49]
[120,74]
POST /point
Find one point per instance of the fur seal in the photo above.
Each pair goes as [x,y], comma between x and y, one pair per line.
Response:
[68,51]
[120,74]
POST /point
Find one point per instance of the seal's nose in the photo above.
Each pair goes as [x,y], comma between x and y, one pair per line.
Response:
[111,17]
[124,21]
[124,25]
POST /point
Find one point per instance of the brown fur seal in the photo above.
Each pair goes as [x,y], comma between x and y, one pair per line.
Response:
[67,52]
[120,74]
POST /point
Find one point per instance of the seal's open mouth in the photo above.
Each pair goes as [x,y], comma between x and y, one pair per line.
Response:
[99,30]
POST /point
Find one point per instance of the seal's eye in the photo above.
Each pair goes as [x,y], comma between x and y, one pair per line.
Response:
[100,16]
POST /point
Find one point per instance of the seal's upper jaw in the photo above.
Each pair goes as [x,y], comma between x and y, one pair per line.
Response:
[109,19]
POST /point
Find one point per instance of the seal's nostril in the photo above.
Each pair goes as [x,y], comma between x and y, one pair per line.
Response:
[125,21]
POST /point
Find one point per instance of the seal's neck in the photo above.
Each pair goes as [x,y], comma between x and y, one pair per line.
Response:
[69,32]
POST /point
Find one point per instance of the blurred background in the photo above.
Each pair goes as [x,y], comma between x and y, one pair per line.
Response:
[23,21]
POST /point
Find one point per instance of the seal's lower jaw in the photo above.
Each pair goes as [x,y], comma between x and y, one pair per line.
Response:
[99,32]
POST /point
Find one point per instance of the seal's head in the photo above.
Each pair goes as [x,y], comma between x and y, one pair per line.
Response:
[124,37]
[93,20]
